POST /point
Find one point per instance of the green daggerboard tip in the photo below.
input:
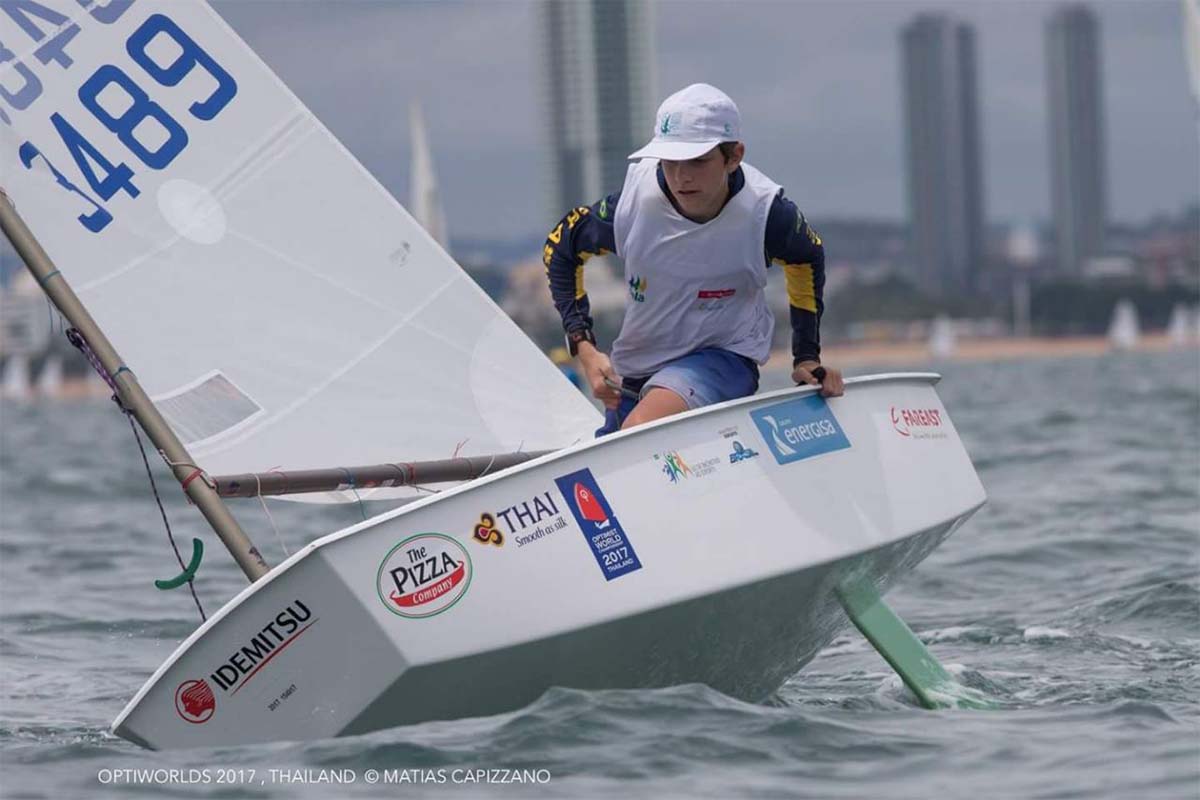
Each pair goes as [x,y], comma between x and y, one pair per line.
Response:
[921,672]
[189,571]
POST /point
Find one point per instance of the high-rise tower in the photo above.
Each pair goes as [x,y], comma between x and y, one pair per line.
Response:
[1076,111]
[599,72]
[945,180]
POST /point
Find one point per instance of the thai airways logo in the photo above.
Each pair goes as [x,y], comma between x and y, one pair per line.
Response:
[637,289]
[526,521]
[423,575]
[486,531]
[741,453]
[605,536]
[195,702]
[918,423]
[801,428]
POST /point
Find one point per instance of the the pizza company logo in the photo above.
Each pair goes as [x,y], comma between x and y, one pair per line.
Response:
[918,423]
[540,512]
[194,701]
[424,575]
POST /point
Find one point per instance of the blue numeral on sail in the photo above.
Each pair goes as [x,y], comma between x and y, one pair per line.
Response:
[191,54]
[143,108]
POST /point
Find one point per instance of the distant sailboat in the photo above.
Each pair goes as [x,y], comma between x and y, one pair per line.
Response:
[1123,331]
[50,379]
[424,197]
[942,339]
[14,383]
[1179,326]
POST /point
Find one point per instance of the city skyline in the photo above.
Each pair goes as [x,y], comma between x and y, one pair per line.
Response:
[823,117]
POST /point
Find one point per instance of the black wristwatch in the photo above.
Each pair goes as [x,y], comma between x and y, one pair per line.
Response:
[579,335]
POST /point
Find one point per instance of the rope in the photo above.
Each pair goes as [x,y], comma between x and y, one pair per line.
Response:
[263,500]
[76,339]
[162,511]
[362,509]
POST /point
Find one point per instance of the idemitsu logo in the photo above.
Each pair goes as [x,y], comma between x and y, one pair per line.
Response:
[424,575]
[194,701]
[279,633]
[918,423]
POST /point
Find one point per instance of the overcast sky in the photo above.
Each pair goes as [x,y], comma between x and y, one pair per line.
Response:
[818,85]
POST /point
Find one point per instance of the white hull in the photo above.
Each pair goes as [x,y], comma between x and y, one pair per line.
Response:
[726,576]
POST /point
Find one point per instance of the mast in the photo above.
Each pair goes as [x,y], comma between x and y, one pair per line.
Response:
[132,396]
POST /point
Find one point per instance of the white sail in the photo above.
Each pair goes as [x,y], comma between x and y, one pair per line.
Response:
[942,338]
[1124,331]
[424,197]
[50,379]
[15,383]
[279,306]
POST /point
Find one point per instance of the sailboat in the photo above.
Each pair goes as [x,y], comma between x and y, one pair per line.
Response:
[1123,330]
[269,312]
[942,338]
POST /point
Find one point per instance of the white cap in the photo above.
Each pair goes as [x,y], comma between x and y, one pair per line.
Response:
[691,122]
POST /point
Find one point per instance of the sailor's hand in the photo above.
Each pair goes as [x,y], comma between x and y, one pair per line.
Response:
[597,368]
[813,374]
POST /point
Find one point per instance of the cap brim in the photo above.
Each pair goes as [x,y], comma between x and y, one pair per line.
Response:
[674,151]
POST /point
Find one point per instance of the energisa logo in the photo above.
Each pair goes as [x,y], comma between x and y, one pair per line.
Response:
[245,662]
[541,510]
[801,428]
[194,701]
[424,575]
[918,423]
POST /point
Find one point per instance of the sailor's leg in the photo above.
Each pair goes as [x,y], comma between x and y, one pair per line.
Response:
[655,404]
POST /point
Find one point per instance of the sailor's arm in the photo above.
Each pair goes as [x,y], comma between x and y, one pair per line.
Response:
[793,245]
[584,232]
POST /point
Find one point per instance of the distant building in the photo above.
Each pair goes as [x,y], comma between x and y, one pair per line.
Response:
[600,93]
[945,173]
[1076,110]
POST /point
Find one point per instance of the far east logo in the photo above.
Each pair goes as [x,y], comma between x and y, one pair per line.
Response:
[918,423]
[195,702]
[424,575]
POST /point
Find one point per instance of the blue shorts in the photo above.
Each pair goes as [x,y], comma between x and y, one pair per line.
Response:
[701,378]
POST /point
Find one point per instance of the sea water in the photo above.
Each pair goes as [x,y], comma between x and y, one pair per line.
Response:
[1072,600]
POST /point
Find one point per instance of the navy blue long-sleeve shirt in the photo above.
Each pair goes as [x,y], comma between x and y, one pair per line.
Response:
[789,242]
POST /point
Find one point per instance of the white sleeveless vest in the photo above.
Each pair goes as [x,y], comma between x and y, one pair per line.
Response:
[691,285]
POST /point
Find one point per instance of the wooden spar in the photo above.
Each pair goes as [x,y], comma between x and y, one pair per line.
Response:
[408,473]
[130,391]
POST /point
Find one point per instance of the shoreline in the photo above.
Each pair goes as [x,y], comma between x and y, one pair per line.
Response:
[917,354]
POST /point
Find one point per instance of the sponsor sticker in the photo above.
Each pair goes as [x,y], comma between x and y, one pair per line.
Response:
[799,428]
[918,423]
[424,575]
[741,453]
[255,653]
[610,545]
[526,521]
[676,469]
[195,702]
